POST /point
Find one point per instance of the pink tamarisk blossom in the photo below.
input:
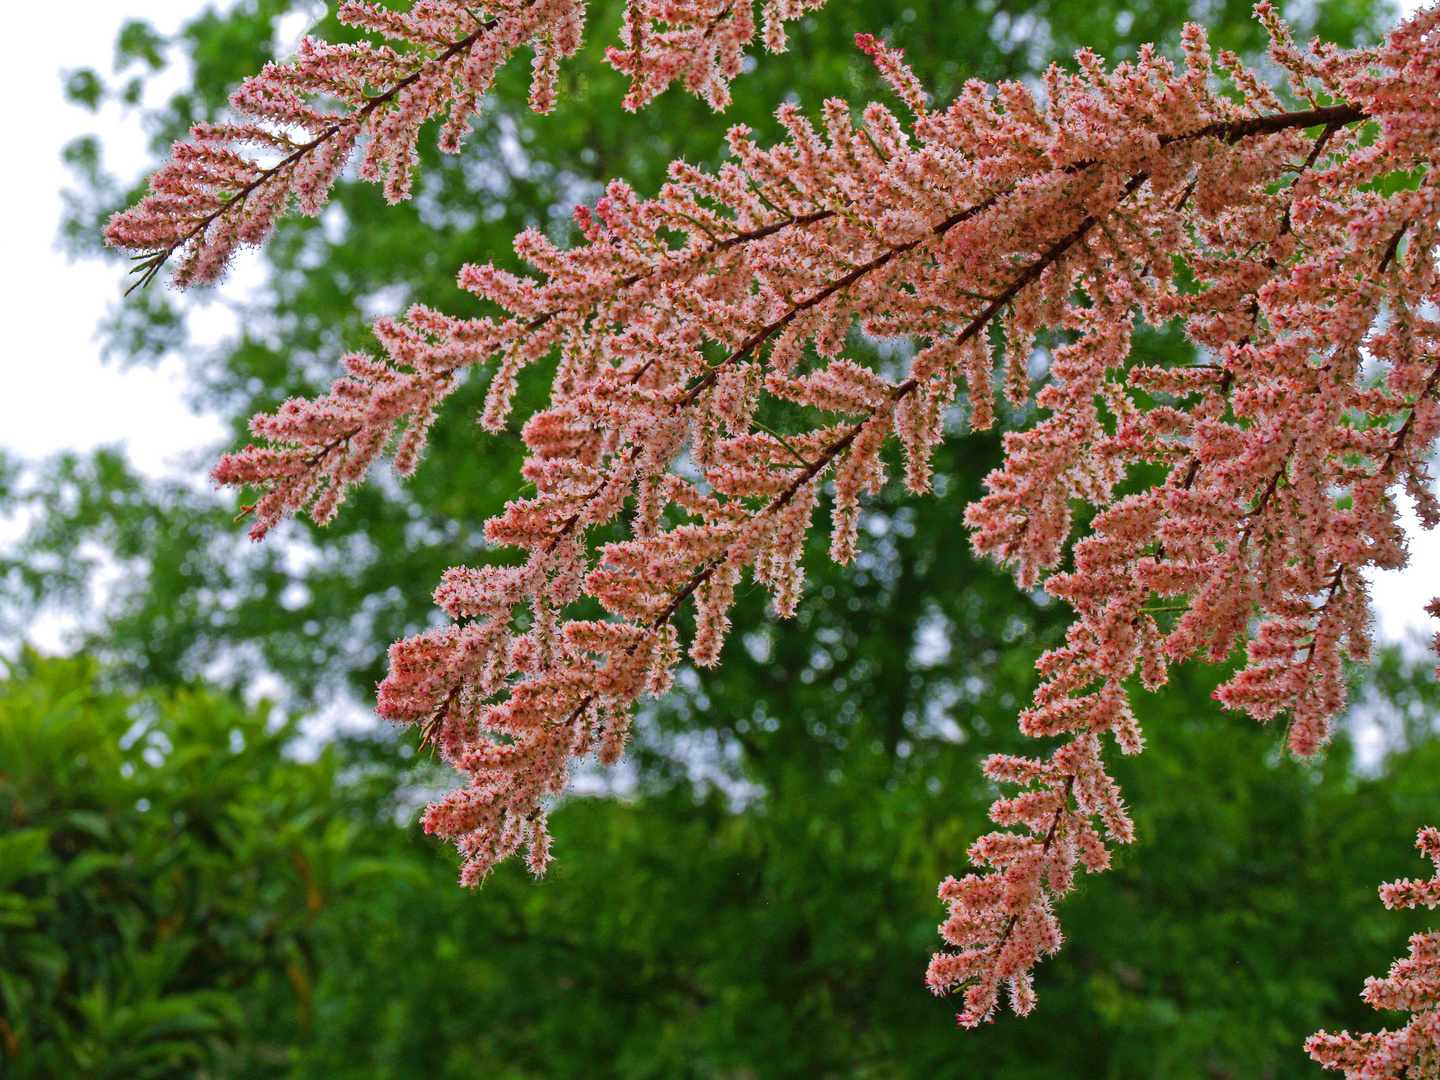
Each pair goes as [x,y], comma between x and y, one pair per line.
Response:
[1413,986]
[300,123]
[1237,500]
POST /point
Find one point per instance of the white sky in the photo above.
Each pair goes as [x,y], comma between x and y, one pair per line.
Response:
[57,393]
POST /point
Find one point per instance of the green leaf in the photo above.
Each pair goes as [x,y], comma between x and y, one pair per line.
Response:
[23,853]
[84,87]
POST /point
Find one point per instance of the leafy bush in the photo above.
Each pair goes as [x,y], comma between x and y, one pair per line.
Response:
[166,870]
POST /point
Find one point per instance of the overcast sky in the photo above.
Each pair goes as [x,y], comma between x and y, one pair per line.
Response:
[57,393]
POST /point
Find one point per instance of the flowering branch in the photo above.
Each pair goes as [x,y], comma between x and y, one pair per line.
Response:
[215,195]
[1135,193]
[1413,986]
[289,175]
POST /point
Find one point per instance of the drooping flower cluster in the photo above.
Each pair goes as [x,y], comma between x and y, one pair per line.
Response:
[1413,986]
[706,395]
[1003,920]
[301,122]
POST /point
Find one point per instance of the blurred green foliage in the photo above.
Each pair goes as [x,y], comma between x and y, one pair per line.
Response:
[183,899]
[166,871]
